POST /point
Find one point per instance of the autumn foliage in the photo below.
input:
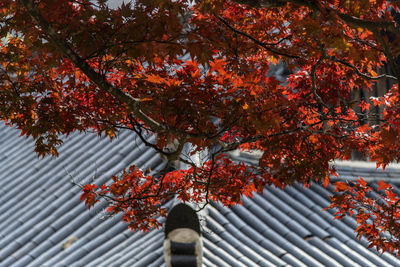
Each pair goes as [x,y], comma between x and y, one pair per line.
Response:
[196,75]
[377,217]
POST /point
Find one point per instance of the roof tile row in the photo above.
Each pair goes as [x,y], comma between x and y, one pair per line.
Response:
[42,222]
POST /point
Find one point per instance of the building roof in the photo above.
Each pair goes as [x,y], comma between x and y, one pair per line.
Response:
[43,223]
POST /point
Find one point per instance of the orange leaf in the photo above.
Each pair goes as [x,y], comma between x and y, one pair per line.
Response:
[383,185]
[341,186]
[362,182]
[326,182]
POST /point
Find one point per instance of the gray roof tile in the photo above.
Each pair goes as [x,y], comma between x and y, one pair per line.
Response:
[290,202]
[136,253]
[300,254]
[367,254]
[227,258]
[292,261]
[354,255]
[299,197]
[147,259]
[318,220]
[240,241]
[40,213]
[215,260]
[312,250]
[8,261]
[332,252]
[228,246]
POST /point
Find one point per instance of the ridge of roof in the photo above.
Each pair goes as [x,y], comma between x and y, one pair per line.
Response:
[347,170]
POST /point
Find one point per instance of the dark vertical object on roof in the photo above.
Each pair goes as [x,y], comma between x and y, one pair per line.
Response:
[182,245]
[182,216]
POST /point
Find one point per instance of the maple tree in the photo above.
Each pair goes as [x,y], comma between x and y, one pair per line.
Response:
[195,74]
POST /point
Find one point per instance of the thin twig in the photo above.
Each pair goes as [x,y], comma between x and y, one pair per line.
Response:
[333,58]
[256,41]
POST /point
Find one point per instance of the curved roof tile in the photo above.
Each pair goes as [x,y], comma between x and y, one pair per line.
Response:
[43,223]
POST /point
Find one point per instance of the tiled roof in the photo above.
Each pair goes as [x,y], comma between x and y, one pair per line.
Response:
[42,222]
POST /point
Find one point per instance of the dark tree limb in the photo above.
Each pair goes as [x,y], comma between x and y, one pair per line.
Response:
[133,104]
[256,41]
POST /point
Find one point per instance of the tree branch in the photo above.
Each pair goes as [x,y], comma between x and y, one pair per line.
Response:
[256,41]
[333,58]
[354,21]
[388,54]
[314,82]
[132,103]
